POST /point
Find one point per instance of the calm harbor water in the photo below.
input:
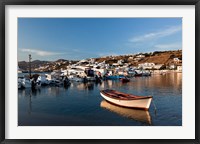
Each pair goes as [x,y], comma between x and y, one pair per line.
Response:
[81,104]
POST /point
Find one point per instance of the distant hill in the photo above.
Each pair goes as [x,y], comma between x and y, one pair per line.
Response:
[166,57]
[34,64]
[61,60]
[157,57]
[60,63]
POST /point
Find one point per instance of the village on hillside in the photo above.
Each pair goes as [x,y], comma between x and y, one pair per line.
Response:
[167,60]
[97,69]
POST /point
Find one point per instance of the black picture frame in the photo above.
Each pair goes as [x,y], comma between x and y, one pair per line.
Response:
[3,4]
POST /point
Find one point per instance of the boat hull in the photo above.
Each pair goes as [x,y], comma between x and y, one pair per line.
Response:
[26,83]
[124,80]
[137,103]
[114,77]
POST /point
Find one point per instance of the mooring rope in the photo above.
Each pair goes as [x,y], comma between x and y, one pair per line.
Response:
[154,106]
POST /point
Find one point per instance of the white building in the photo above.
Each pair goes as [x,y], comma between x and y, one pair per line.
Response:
[146,65]
[177,60]
[120,62]
[140,56]
[179,68]
[158,66]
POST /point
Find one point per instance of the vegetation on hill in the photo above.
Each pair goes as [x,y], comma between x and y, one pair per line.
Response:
[158,57]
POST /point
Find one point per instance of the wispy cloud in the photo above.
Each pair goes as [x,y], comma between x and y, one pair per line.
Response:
[40,52]
[158,34]
[169,46]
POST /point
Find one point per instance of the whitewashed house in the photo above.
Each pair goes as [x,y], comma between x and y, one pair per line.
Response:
[176,60]
[172,66]
[158,66]
[179,68]
[120,62]
[146,65]
[140,56]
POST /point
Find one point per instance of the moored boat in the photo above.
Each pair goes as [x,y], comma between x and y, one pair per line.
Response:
[43,80]
[126,100]
[26,83]
[19,85]
[114,77]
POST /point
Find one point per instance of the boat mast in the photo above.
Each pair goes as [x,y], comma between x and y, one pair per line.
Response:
[30,65]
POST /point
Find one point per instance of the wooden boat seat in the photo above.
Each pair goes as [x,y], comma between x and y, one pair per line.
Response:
[122,96]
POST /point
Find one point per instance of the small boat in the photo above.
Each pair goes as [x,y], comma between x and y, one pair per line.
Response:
[138,73]
[114,77]
[38,84]
[56,82]
[26,83]
[124,80]
[146,73]
[90,78]
[126,100]
[43,80]
[19,85]
[98,79]
[66,81]
[77,79]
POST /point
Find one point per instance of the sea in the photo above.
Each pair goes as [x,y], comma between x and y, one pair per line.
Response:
[80,104]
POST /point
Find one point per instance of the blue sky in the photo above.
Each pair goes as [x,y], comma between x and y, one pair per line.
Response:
[81,38]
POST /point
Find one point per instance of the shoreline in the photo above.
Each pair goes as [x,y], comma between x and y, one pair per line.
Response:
[164,71]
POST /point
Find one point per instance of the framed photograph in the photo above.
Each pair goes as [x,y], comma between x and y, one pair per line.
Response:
[99,71]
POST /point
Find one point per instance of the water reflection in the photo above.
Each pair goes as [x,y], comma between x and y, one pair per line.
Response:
[28,93]
[79,103]
[87,86]
[135,114]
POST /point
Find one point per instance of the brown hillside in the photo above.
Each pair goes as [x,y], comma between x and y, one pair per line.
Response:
[165,58]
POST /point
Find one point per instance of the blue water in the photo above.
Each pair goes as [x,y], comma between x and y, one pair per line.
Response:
[81,104]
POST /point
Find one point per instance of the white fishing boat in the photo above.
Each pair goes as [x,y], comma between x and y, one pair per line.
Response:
[89,78]
[43,80]
[66,81]
[126,100]
[75,78]
[19,84]
[146,73]
[26,83]
[38,84]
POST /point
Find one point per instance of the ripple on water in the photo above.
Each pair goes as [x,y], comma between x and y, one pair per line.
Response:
[81,104]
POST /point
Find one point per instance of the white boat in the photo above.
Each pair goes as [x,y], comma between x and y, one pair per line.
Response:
[38,84]
[126,100]
[66,81]
[58,83]
[91,78]
[19,85]
[135,114]
[26,83]
[146,73]
[75,78]
[43,80]
[55,82]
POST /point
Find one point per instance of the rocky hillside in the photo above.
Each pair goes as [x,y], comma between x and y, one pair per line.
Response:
[34,64]
[157,57]
[49,65]
[165,58]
